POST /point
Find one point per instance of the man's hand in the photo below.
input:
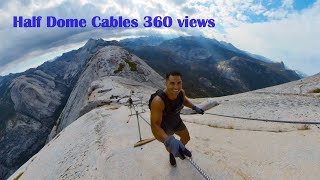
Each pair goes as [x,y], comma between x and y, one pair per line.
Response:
[176,147]
[197,109]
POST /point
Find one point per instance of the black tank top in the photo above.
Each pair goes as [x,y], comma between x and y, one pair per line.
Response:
[171,114]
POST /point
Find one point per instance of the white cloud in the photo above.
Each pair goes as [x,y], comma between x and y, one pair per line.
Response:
[36,58]
[287,3]
[276,14]
[257,9]
[292,40]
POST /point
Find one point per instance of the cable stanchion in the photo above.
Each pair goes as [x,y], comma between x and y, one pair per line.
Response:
[137,114]
[138,124]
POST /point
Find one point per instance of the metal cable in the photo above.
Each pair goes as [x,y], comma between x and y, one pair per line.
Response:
[199,169]
[145,120]
[266,120]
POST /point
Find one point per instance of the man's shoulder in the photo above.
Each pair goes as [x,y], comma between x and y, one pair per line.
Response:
[158,99]
[160,94]
[157,102]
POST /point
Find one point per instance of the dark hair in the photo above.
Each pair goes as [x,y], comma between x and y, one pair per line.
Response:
[173,73]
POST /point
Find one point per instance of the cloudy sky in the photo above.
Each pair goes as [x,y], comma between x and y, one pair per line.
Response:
[282,30]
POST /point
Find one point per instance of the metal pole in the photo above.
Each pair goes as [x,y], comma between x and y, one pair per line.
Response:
[138,124]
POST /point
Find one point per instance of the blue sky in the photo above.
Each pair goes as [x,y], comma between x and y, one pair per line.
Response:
[283,30]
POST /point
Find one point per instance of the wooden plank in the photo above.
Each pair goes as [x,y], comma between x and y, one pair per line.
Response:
[144,141]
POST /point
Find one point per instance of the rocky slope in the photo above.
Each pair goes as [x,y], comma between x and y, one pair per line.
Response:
[99,144]
[108,61]
[32,101]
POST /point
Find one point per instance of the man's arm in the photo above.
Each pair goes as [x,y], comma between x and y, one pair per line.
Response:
[157,106]
[186,101]
[189,104]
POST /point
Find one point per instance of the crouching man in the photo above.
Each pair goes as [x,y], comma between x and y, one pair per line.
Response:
[165,107]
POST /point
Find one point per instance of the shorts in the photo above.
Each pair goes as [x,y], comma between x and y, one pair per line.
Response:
[170,131]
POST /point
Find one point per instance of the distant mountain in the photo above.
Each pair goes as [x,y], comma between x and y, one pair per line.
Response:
[213,68]
[301,74]
[262,58]
[143,41]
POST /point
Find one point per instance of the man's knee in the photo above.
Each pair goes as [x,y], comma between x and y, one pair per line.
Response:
[185,138]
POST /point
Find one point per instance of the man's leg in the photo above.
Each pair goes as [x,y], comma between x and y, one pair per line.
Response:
[184,136]
[172,159]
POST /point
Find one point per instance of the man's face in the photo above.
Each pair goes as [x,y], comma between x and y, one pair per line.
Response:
[174,85]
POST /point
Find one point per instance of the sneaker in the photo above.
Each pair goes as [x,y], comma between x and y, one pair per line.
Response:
[173,160]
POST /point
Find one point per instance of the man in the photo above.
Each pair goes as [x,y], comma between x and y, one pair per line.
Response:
[165,117]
